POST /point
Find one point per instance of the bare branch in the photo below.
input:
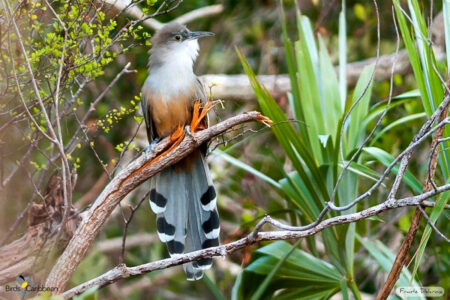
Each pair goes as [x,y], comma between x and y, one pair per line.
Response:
[123,271]
[199,13]
[135,12]
[238,88]
[430,222]
[34,85]
[127,224]
[132,11]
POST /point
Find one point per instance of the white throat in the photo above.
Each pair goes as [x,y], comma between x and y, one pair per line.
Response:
[171,68]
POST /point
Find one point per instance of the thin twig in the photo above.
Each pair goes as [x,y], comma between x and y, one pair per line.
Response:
[127,223]
[71,145]
[432,224]
[380,119]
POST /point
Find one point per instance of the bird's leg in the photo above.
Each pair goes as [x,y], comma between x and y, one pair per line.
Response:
[187,130]
[198,115]
[176,137]
[174,140]
[149,149]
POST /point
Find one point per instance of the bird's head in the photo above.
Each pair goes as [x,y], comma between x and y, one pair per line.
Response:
[175,41]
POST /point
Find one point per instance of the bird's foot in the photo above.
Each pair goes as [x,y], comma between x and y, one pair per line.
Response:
[176,137]
[198,116]
[187,130]
[150,148]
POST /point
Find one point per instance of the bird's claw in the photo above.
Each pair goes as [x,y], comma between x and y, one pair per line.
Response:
[150,148]
[187,130]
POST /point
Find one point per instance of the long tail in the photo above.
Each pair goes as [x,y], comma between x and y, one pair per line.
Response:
[184,199]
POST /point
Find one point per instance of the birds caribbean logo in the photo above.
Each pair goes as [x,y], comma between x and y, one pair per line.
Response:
[24,283]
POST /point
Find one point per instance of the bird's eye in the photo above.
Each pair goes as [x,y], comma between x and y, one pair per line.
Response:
[178,37]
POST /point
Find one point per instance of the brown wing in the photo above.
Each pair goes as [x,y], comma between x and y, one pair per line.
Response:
[201,94]
[146,111]
[200,91]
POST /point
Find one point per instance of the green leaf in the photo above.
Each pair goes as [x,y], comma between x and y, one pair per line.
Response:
[360,12]
[292,70]
[298,273]
[431,88]
[386,159]
[329,87]
[407,95]
[446,12]
[236,292]
[385,259]
[299,154]
[376,218]
[362,170]
[262,287]
[396,123]
[433,85]
[246,167]
[310,98]
[344,290]
[296,189]
[413,54]
[377,109]
[90,294]
[361,95]
[342,56]
[213,287]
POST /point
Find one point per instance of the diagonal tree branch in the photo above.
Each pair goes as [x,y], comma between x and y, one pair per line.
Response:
[122,271]
[127,180]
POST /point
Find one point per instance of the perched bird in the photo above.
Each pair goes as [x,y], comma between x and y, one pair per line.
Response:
[182,196]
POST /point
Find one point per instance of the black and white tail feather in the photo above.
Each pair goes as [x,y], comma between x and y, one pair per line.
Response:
[184,201]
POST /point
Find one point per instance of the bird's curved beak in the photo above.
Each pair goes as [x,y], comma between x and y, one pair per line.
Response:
[193,35]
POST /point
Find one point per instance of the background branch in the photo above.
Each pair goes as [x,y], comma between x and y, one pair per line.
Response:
[238,88]
[133,11]
[139,239]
